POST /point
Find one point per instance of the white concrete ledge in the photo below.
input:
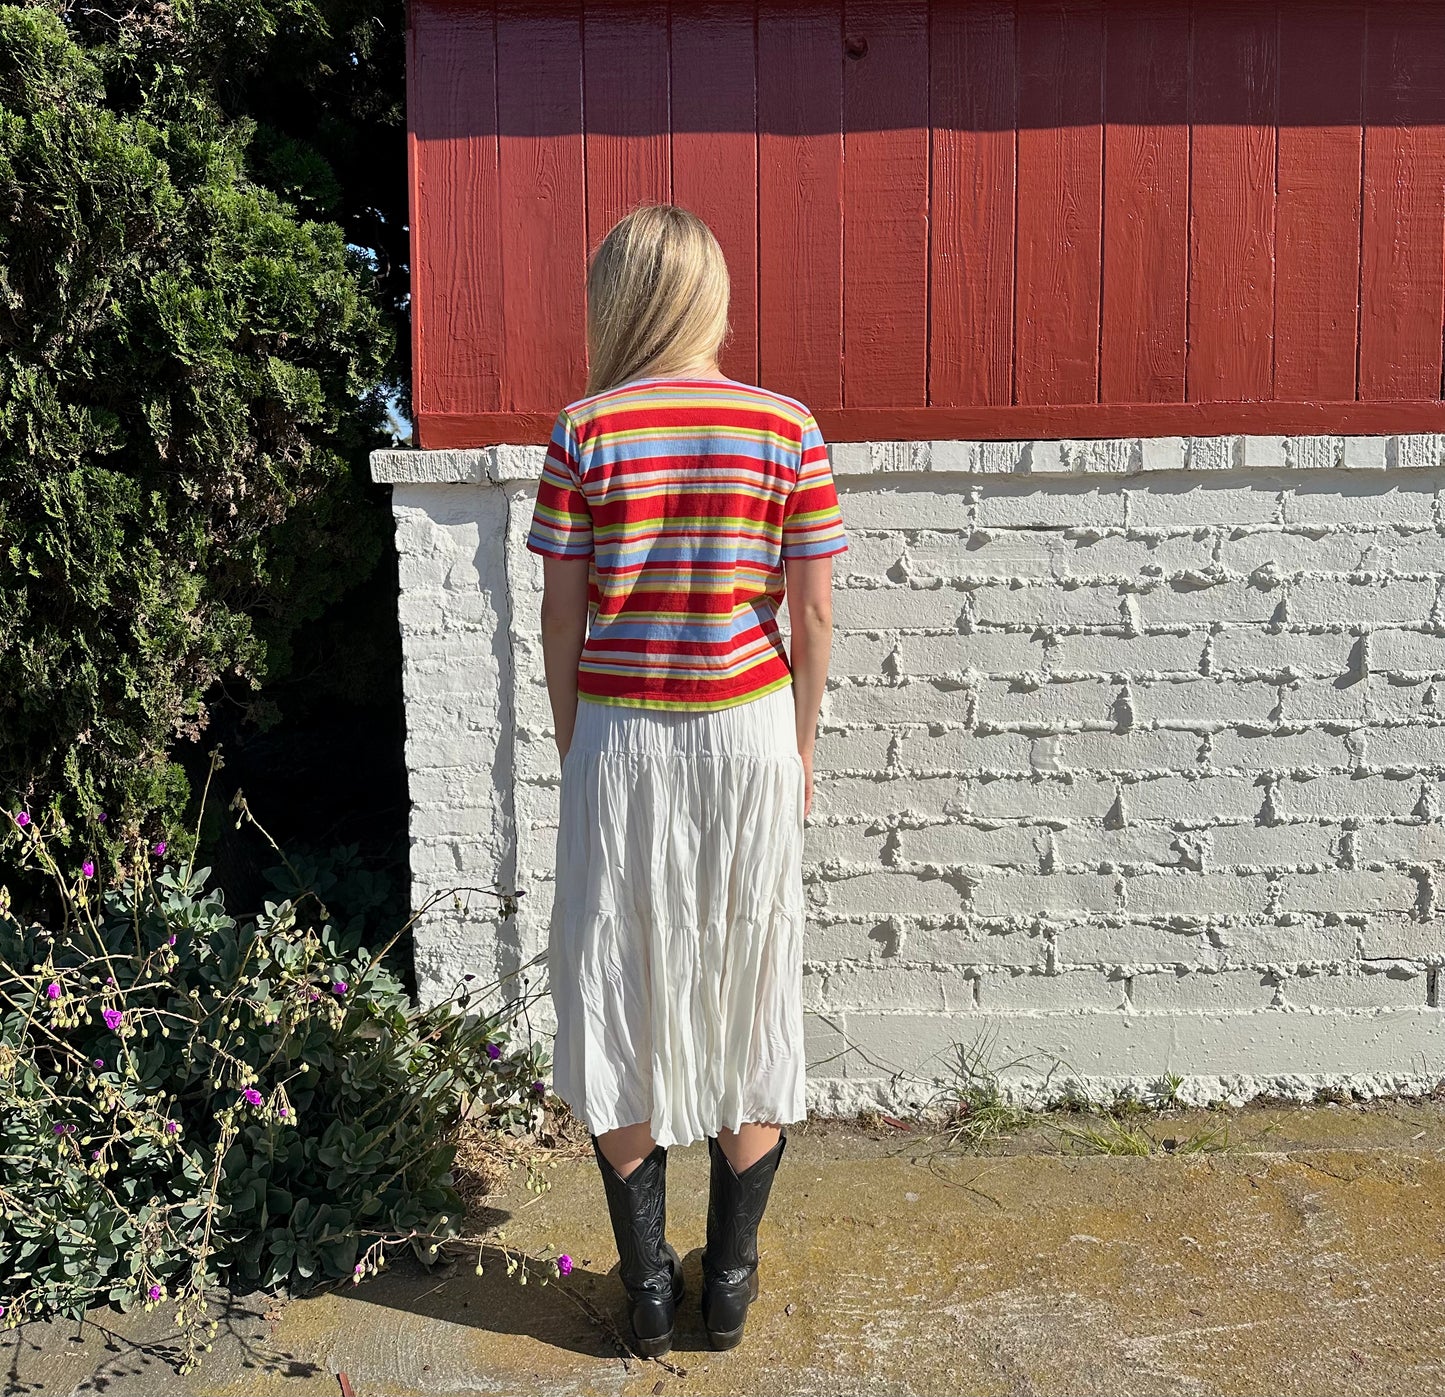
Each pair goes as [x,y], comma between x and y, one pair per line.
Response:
[1105,456]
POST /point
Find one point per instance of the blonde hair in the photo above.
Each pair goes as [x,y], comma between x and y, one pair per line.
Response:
[657,297]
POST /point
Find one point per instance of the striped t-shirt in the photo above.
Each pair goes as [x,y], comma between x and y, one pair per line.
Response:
[687,494]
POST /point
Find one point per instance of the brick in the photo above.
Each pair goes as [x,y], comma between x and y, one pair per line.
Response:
[1338,700]
[1397,988]
[1265,943]
[1412,745]
[880,894]
[1052,800]
[991,652]
[1200,991]
[1194,801]
[851,843]
[1174,503]
[962,750]
[1359,501]
[1004,893]
[1004,991]
[1205,700]
[1280,751]
[1130,751]
[1124,555]
[1003,702]
[1394,699]
[1332,796]
[892,986]
[1403,935]
[1190,894]
[885,608]
[1046,604]
[1273,846]
[1290,551]
[1251,648]
[1374,600]
[870,554]
[1128,654]
[857,749]
[867,941]
[958,843]
[924,1045]
[1001,553]
[1392,649]
[1347,890]
[1063,504]
[1176,603]
[859,797]
[1093,845]
[1131,943]
[869,506]
[1018,947]
[854,652]
[1401,843]
[914,701]
[1422,550]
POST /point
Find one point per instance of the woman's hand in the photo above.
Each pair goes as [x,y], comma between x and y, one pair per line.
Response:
[807,782]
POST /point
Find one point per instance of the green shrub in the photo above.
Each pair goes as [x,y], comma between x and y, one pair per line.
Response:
[187,1098]
[189,383]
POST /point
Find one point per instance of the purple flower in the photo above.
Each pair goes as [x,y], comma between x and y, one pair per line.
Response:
[493,1051]
[539,1087]
[88,868]
[154,1292]
[60,1130]
[171,941]
[98,1063]
[171,1127]
[564,1264]
[52,990]
[340,987]
[281,1111]
[113,1018]
[253,1097]
[95,1154]
[23,818]
[161,847]
[103,817]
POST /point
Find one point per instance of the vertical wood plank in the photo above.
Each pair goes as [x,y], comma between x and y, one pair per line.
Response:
[1317,222]
[543,227]
[885,203]
[1060,200]
[456,284]
[1402,287]
[624,109]
[1146,203]
[800,199]
[974,106]
[714,151]
[1234,101]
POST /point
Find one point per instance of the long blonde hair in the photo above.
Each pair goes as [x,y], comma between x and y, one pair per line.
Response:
[657,297]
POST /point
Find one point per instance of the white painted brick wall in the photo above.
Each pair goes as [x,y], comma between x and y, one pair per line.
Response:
[1130,761]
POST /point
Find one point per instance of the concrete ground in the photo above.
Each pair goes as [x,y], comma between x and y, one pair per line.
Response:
[1308,1256]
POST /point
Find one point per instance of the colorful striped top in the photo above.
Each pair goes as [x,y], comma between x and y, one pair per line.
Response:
[687,495]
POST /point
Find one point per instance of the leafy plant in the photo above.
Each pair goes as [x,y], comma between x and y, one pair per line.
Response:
[189,1098]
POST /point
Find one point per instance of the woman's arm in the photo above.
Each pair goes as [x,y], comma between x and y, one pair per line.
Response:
[808,586]
[564,631]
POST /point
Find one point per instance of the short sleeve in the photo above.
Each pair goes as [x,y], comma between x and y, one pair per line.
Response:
[812,518]
[562,519]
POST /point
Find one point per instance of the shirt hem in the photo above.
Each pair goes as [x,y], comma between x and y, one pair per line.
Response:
[684,705]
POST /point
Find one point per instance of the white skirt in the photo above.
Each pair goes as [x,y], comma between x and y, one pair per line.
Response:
[675,950]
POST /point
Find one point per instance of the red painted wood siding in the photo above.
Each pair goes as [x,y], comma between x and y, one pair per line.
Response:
[944,218]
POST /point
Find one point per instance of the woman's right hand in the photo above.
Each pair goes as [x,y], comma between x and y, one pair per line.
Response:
[807,782]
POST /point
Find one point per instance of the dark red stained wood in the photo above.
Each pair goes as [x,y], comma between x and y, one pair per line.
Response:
[1036,422]
[714,151]
[544,235]
[1404,186]
[624,109]
[885,203]
[1317,222]
[1060,201]
[1231,221]
[1146,203]
[456,283]
[800,200]
[973,106]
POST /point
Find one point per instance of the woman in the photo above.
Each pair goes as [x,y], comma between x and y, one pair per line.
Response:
[675,510]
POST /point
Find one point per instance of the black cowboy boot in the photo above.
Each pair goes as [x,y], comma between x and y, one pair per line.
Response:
[730,1262]
[651,1271]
